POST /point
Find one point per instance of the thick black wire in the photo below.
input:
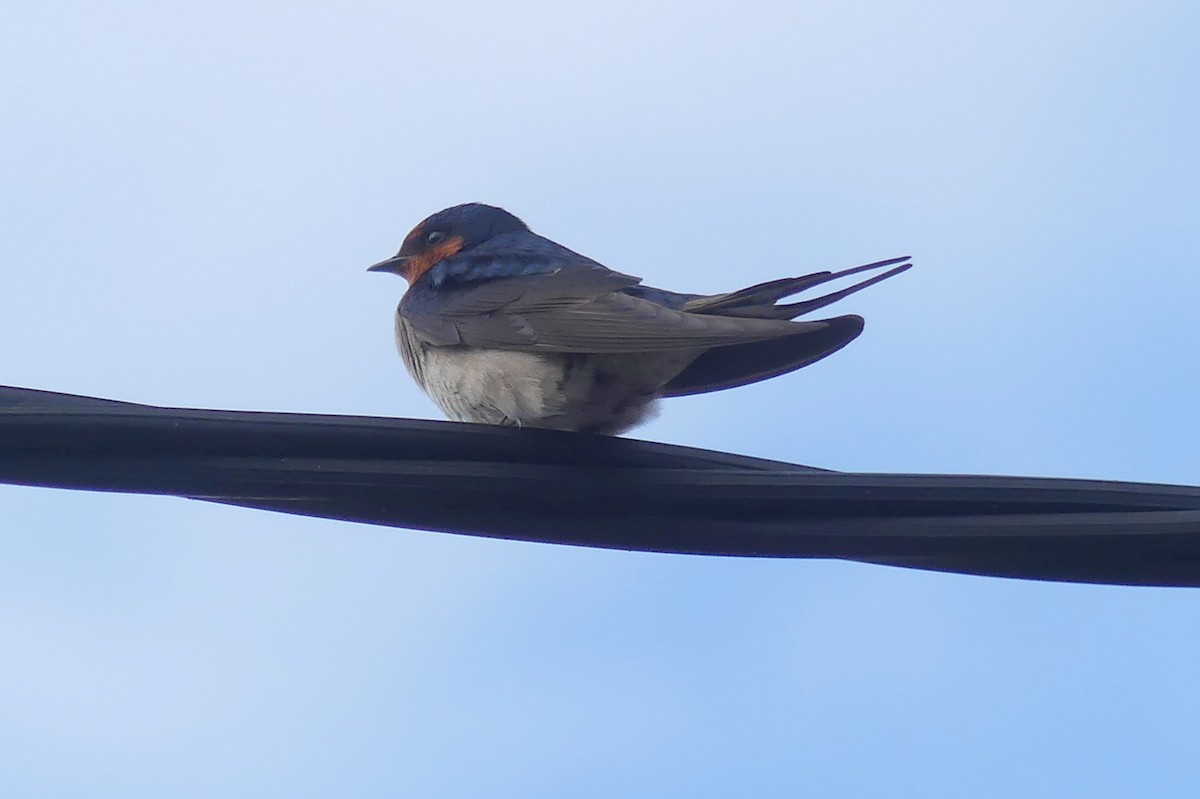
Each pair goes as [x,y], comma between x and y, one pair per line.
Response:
[605,492]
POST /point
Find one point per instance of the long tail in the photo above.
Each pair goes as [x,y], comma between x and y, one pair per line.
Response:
[759,301]
[725,367]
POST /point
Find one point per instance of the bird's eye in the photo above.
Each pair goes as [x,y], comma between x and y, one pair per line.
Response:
[434,237]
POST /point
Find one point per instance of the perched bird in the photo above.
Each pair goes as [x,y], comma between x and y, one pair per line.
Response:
[502,326]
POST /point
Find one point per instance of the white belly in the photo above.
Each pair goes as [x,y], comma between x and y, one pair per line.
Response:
[561,391]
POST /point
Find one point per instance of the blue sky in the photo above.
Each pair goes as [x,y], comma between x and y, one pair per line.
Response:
[190,196]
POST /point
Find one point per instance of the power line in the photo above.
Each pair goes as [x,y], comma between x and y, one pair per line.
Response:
[565,488]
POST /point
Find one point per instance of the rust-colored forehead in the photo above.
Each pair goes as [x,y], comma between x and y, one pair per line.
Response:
[413,239]
[417,265]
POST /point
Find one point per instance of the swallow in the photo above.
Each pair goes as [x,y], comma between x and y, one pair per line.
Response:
[502,326]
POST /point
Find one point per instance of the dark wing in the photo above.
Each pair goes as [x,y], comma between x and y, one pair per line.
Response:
[727,367]
[577,308]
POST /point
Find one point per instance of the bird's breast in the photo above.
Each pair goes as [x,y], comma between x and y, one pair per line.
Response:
[602,393]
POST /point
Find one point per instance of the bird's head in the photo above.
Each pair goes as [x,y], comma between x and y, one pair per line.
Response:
[447,233]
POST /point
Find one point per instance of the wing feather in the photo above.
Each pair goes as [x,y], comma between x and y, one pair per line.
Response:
[576,309]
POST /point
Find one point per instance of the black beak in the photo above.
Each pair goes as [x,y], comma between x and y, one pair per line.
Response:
[393,265]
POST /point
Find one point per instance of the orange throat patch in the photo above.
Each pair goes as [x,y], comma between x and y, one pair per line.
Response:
[418,265]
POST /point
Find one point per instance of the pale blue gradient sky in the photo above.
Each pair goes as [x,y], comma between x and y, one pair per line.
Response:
[190,196]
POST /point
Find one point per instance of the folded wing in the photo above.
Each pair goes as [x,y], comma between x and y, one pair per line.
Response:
[574,310]
[582,307]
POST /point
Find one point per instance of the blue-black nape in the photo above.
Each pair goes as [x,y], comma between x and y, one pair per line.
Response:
[475,222]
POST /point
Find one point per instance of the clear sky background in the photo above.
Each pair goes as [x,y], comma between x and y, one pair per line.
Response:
[189,195]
